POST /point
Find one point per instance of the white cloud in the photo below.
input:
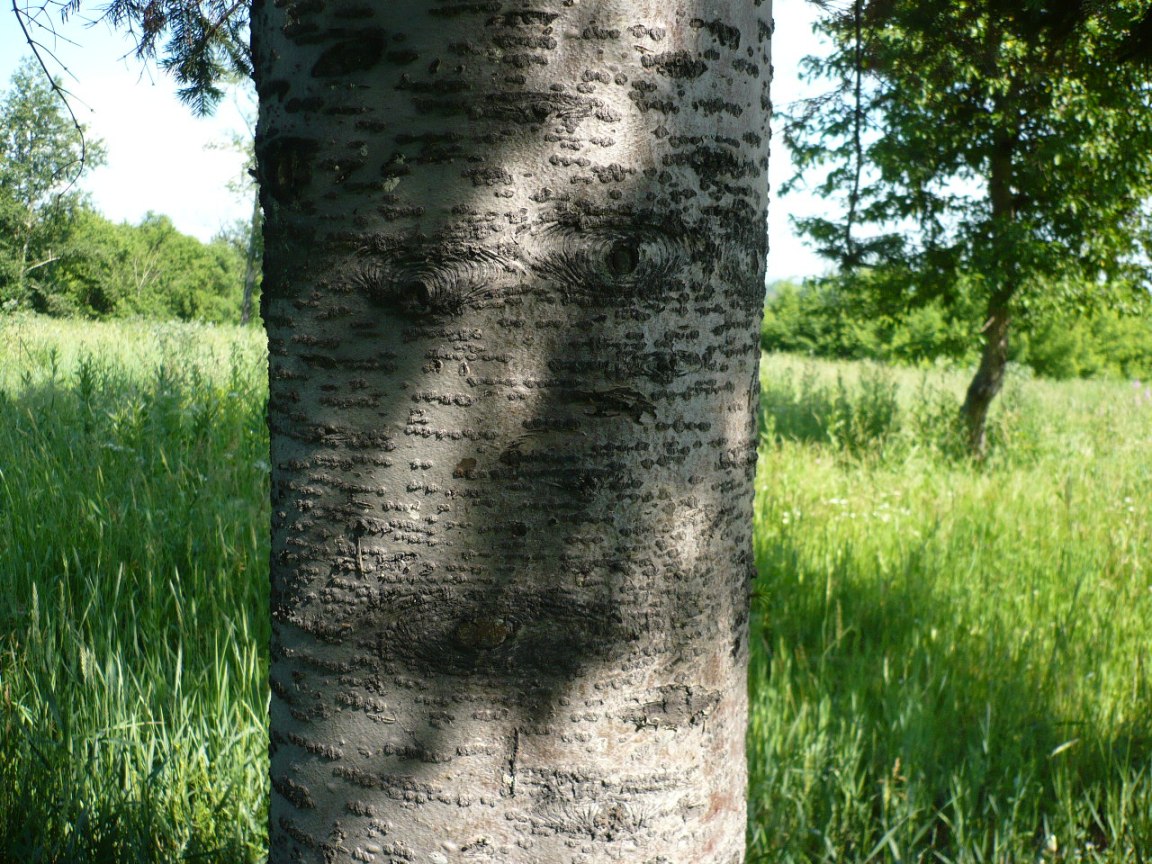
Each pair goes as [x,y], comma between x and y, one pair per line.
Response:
[158,159]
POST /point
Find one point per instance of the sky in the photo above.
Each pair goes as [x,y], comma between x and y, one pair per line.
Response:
[163,159]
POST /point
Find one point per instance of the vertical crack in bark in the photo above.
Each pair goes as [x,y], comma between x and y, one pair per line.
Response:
[509,778]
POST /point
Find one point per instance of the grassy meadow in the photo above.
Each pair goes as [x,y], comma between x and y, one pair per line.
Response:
[950,661]
[133,639]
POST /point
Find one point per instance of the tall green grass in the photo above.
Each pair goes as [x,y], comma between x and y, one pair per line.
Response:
[951,662]
[133,482]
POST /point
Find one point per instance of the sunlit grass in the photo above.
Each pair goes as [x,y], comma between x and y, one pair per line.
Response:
[952,662]
[133,482]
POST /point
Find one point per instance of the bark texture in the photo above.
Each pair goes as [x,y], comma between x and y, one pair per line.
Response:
[988,380]
[513,280]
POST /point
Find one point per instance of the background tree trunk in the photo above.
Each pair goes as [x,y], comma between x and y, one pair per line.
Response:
[989,377]
[251,260]
[514,271]
[988,380]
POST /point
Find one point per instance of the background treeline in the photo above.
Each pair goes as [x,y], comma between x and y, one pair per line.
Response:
[846,318]
[60,257]
[96,268]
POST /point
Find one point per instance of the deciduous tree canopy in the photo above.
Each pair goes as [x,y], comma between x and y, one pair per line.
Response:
[42,154]
[1009,142]
[59,256]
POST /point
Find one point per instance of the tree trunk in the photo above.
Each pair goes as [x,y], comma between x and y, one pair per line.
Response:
[251,262]
[989,377]
[22,292]
[514,268]
[988,380]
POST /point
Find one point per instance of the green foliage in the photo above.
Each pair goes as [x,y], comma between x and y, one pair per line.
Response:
[59,257]
[150,270]
[42,155]
[850,318]
[1107,344]
[103,269]
[1014,143]
[951,660]
[1002,148]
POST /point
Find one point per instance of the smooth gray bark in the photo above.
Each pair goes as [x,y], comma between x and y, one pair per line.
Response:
[514,272]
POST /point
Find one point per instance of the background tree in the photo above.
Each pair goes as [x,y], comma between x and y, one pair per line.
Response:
[59,257]
[1000,146]
[42,155]
[247,237]
[105,269]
